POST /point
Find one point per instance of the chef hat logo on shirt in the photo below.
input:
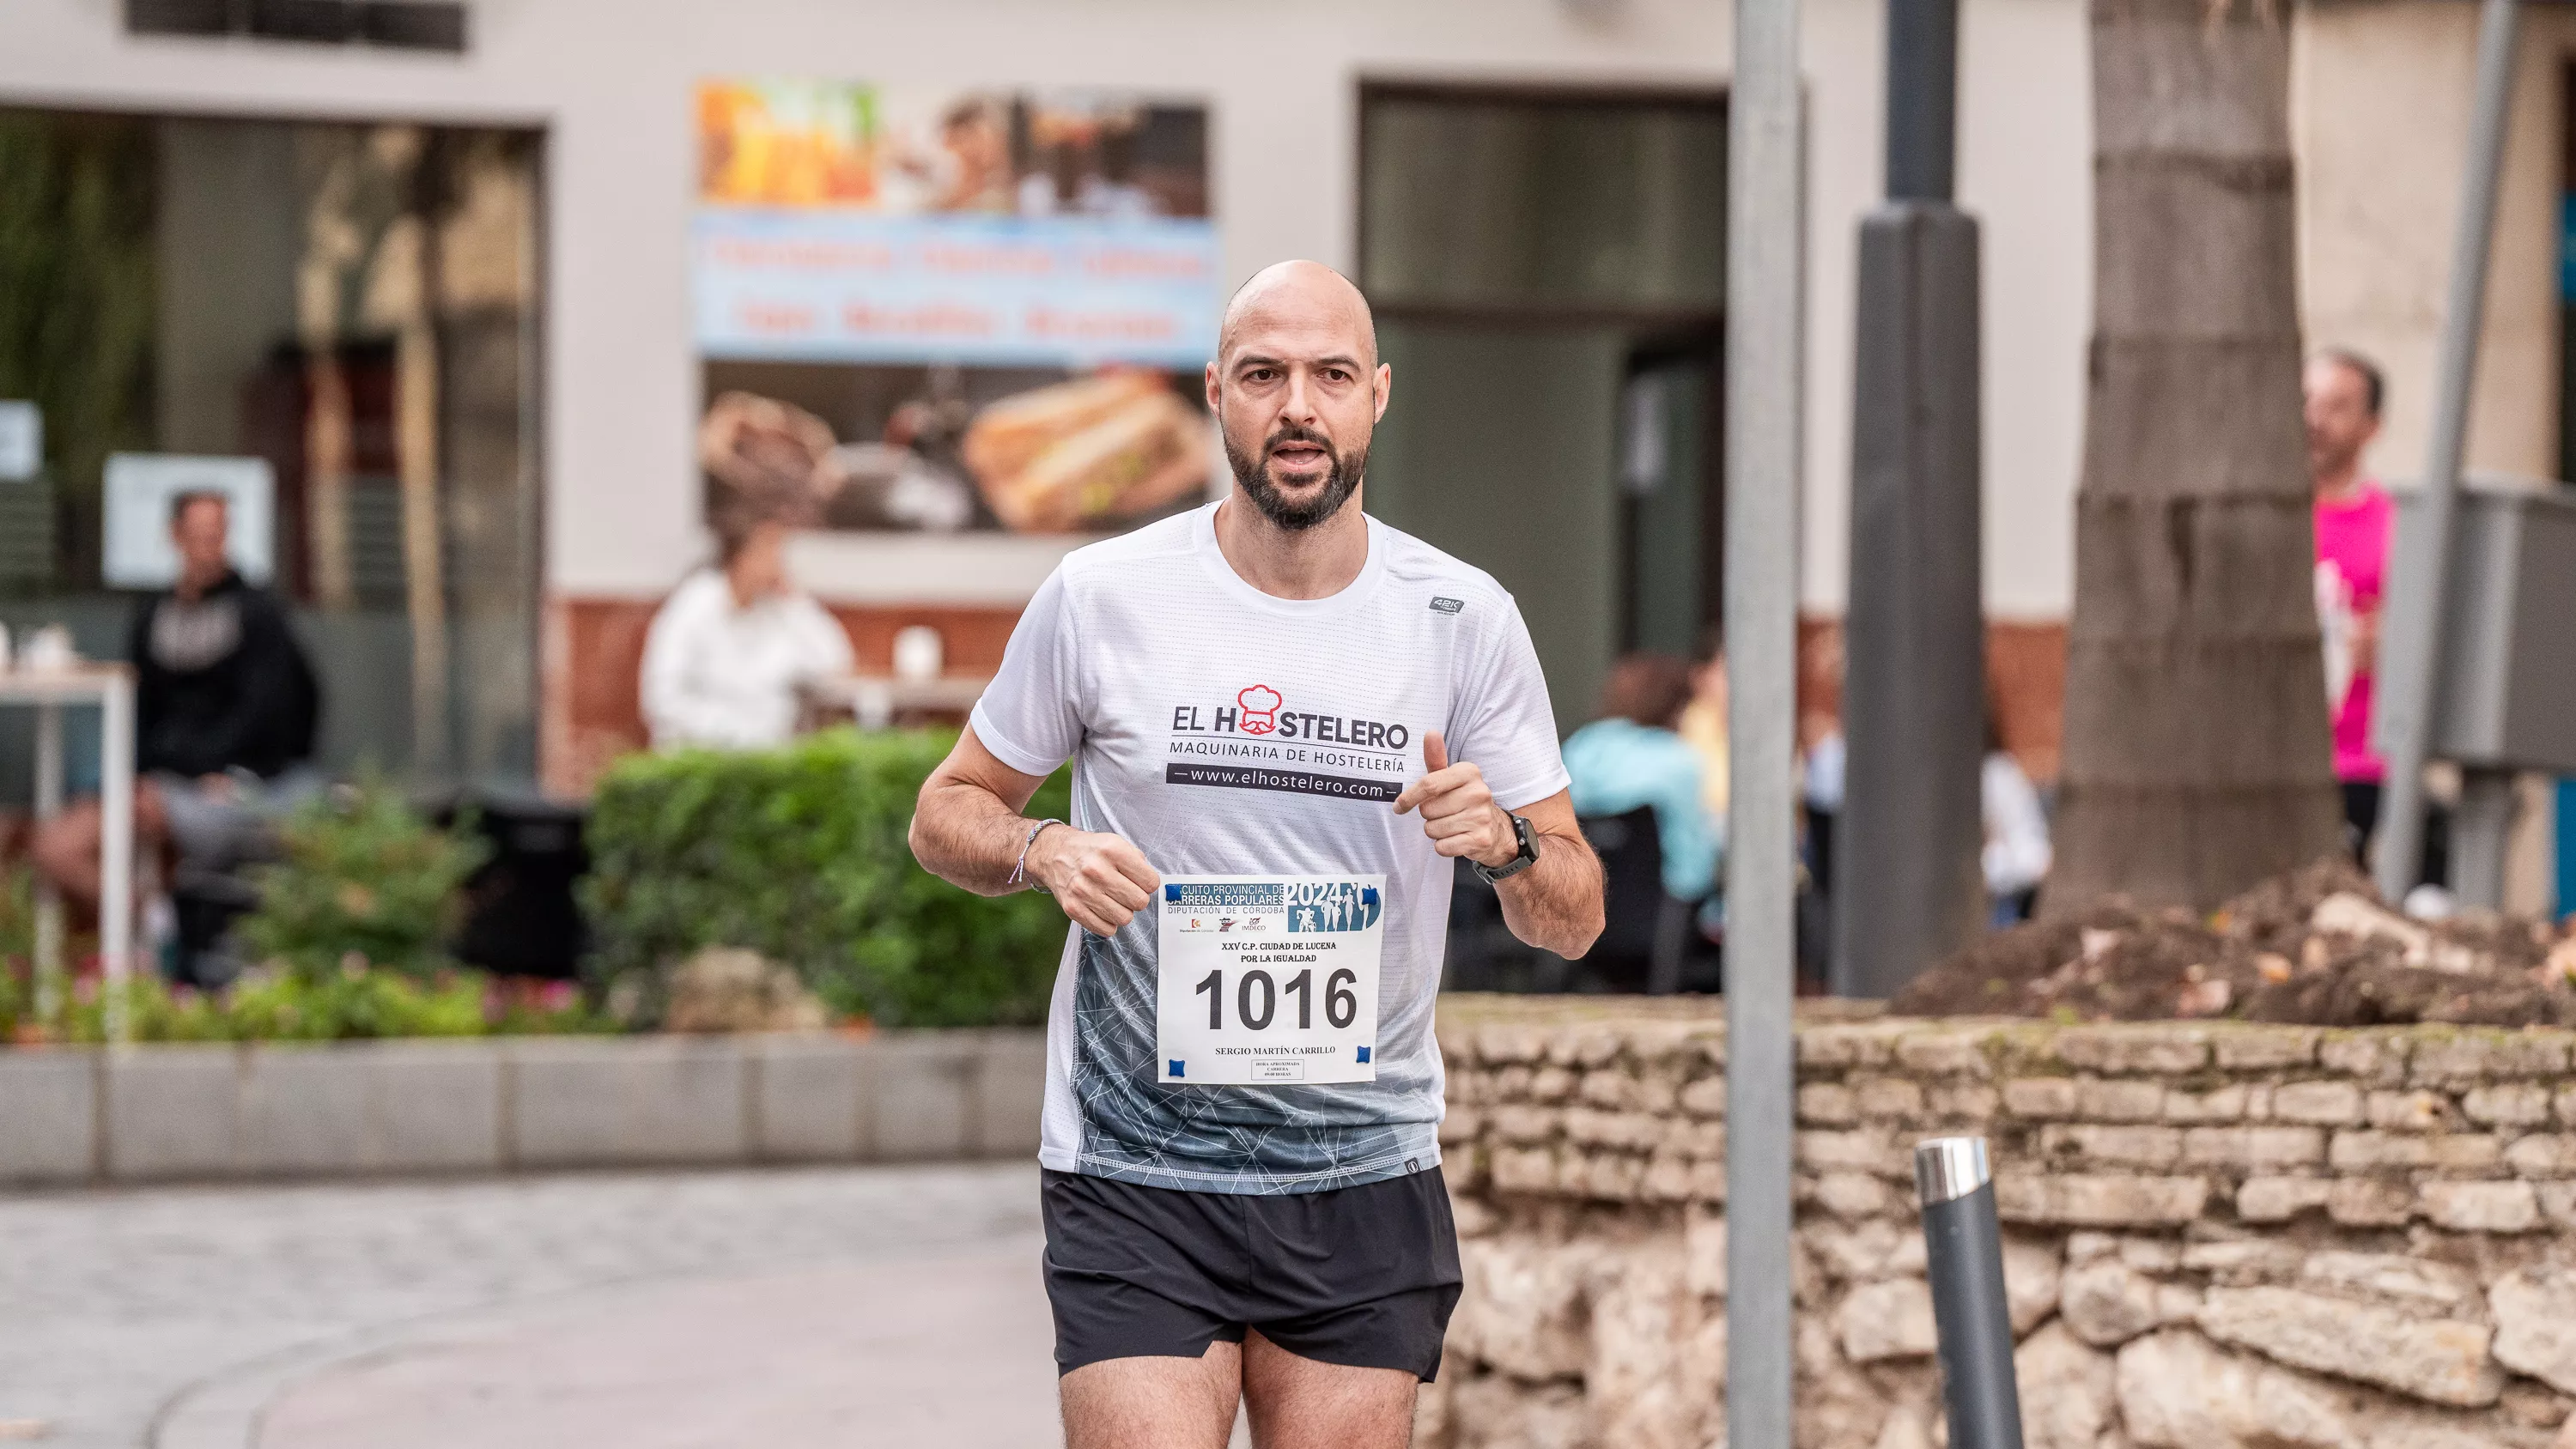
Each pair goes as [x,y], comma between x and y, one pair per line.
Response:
[1260,709]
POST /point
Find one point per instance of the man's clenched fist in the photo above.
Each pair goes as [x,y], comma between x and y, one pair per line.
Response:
[1098,878]
[1458,810]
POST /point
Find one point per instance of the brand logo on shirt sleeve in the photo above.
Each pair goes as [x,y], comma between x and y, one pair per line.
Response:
[1447,606]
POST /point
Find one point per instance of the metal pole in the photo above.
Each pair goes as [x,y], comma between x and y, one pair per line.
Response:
[2481,829]
[1764,354]
[1964,1258]
[1914,700]
[49,902]
[1922,98]
[2409,648]
[116,849]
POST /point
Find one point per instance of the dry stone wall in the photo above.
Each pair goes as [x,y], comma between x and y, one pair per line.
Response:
[2217,1236]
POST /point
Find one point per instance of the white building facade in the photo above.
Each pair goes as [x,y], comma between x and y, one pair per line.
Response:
[2382,95]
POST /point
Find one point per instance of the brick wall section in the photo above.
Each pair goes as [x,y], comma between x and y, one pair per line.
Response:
[2217,1234]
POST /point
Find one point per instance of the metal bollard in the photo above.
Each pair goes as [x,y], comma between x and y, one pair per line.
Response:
[1966,1266]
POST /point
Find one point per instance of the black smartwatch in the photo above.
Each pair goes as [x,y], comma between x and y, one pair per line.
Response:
[1528,857]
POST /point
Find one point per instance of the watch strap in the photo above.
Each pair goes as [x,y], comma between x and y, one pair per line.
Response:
[1528,838]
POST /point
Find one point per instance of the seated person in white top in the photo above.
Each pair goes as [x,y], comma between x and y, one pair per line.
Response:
[731,646]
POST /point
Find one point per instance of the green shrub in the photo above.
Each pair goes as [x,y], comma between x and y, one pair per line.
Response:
[348,942]
[17,949]
[799,853]
[277,1004]
[365,879]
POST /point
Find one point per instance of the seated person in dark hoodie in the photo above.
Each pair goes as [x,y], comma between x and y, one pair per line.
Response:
[225,709]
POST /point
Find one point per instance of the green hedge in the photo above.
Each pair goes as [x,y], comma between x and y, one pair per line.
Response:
[799,853]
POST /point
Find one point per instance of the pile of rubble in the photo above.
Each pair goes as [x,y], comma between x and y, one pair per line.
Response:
[2315,947]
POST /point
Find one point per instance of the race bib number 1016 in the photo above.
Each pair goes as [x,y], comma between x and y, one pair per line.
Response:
[1269,979]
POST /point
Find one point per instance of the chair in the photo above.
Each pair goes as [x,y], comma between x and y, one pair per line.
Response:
[1646,936]
[1483,954]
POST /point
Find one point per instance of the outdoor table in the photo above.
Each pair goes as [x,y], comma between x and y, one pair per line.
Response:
[111,687]
[875,699]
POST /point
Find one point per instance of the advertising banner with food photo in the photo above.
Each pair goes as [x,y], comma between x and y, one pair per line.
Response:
[954,309]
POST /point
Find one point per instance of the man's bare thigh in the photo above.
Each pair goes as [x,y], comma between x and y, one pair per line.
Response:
[1153,1403]
[1182,1403]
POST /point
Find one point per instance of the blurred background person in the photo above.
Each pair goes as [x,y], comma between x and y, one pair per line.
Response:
[1632,757]
[2016,856]
[1702,722]
[1821,761]
[1639,790]
[2354,520]
[731,652]
[226,708]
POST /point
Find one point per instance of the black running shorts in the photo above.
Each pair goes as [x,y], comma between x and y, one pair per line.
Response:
[1363,1276]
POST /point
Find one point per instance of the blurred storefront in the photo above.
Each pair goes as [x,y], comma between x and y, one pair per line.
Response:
[503,299]
[334,323]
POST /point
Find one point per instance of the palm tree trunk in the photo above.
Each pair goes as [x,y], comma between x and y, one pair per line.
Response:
[2197,752]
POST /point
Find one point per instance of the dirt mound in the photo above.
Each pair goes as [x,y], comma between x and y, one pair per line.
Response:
[2314,946]
[2274,915]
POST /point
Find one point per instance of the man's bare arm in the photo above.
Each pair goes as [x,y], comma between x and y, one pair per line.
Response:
[1554,905]
[967,830]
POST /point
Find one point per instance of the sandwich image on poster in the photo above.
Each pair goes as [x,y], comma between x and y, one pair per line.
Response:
[1268,980]
[1088,454]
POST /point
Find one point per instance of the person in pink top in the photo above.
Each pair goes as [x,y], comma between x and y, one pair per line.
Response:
[2354,518]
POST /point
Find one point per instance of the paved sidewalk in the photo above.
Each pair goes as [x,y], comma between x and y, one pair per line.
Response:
[950,1351]
[782,1309]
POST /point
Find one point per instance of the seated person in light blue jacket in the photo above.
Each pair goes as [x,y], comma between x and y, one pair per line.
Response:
[1630,756]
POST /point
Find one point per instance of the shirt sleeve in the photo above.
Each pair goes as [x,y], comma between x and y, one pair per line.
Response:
[823,643]
[1031,714]
[1504,723]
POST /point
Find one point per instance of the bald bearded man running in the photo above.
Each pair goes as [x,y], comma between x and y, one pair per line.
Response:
[1286,719]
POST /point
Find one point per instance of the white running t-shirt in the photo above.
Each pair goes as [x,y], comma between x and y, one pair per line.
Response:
[1227,732]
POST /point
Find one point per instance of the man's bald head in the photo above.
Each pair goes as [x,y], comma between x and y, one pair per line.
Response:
[1304,294]
[1297,389]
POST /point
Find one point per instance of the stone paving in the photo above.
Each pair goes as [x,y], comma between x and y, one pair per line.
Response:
[785,1308]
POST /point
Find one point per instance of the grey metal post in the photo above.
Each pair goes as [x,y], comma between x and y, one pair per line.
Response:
[1922,98]
[1764,354]
[1914,627]
[1963,1258]
[2481,829]
[116,850]
[2409,666]
[49,902]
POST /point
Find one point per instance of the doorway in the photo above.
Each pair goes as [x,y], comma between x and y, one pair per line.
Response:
[1548,268]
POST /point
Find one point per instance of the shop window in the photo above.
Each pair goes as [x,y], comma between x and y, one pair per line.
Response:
[401,24]
[348,311]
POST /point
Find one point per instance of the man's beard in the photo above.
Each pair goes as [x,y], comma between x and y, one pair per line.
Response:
[1254,474]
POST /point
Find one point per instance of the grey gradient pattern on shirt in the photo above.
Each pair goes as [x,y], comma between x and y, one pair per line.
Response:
[1232,1138]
